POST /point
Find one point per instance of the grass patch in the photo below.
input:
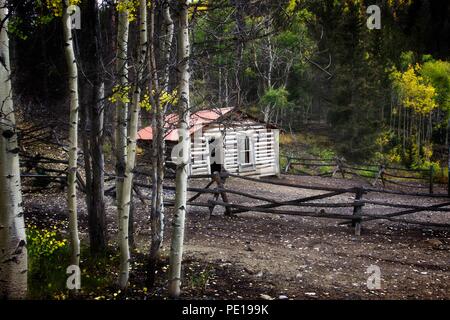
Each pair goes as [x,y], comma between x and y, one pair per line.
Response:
[49,258]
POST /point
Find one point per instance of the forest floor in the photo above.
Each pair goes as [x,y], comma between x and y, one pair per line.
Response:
[258,255]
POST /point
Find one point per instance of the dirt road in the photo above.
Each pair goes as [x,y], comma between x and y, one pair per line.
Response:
[258,255]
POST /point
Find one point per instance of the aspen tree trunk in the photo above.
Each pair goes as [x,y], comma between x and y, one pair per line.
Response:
[13,251]
[125,202]
[176,250]
[158,143]
[73,139]
[122,107]
[168,21]
[121,147]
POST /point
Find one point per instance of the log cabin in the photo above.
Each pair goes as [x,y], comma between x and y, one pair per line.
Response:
[224,139]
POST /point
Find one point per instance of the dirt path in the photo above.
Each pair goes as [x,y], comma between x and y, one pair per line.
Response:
[257,254]
[315,258]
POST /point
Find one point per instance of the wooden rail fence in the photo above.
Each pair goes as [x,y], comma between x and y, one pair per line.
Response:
[303,206]
[373,172]
[356,216]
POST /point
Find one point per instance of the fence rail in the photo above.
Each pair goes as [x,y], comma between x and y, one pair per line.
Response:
[307,206]
[373,172]
[301,206]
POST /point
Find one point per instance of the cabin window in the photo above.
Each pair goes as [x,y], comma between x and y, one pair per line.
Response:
[245,151]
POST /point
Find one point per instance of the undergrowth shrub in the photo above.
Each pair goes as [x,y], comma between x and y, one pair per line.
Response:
[48,258]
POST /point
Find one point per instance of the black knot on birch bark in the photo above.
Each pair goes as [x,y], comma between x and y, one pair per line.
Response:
[20,246]
[15,150]
[8,134]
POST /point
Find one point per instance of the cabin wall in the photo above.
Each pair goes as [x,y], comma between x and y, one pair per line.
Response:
[264,149]
[200,159]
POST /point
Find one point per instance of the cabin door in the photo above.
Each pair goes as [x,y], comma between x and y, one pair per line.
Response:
[215,153]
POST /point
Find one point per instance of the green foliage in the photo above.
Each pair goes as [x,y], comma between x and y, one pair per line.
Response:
[48,257]
[407,59]
[415,91]
[422,106]
[437,73]
[107,147]
[120,94]
[128,6]
[323,154]
[388,152]
[14,27]
[419,157]
[56,6]
[277,98]
[199,281]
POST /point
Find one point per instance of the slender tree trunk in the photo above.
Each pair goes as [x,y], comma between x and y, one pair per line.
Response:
[156,109]
[122,107]
[97,224]
[125,201]
[448,159]
[227,89]
[158,143]
[13,251]
[170,27]
[176,250]
[167,52]
[84,132]
[121,147]
[270,66]
[93,121]
[239,29]
[73,140]
[219,90]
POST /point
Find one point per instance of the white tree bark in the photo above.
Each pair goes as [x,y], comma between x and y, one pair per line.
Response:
[73,138]
[176,250]
[13,252]
[158,143]
[122,107]
[125,203]
[121,151]
[168,21]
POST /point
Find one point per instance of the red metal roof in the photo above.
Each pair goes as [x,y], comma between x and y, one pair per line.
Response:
[197,121]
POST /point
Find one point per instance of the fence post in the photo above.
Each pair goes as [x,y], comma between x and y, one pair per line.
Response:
[288,165]
[357,211]
[431,179]
[341,167]
[337,168]
[378,176]
[220,185]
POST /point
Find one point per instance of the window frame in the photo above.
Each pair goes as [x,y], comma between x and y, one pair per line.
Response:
[245,140]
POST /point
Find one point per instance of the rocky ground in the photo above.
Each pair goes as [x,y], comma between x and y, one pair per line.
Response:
[260,255]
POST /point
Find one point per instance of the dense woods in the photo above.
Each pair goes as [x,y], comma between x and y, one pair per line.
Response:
[93,73]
